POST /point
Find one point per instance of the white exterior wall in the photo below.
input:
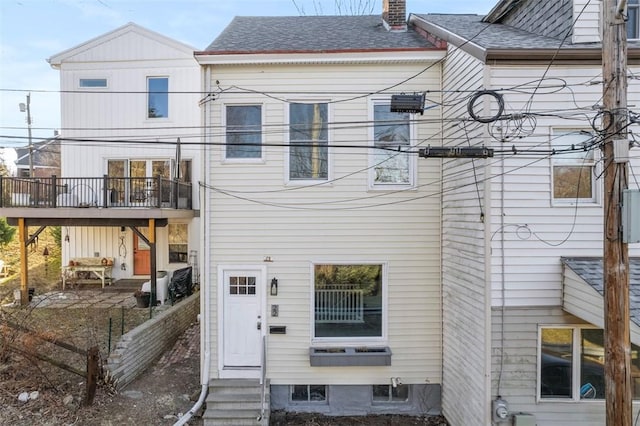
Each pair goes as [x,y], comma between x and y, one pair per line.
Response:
[535,232]
[516,373]
[382,227]
[465,301]
[586,15]
[126,57]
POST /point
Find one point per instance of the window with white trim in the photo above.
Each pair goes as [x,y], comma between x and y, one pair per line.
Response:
[308,141]
[93,83]
[392,164]
[571,364]
[633,19]
[244,131]
[348,301]
[157,97]
[573,167]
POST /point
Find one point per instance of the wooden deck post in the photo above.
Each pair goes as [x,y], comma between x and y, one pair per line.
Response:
[24,265]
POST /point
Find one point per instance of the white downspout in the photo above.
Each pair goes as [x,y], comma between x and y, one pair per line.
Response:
[205,300]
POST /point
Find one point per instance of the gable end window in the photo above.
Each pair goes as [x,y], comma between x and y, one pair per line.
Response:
[93,83]
[392,164]
[244,132]
[308,139]
[158,97]
[573,171]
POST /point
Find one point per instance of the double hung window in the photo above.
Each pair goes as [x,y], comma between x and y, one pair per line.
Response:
[244,132]
[392,164]
[573,167]
[308,139]
[633,19]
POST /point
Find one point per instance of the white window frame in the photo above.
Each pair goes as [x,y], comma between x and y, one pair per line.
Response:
[287,141]
[349,341]
[86,78]
[390,400]
[146,105]
[576,364]
[557,159]
[262,157]
[633,25]
[412,158]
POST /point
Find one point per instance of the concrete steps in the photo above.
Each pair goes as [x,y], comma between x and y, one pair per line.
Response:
[236,402]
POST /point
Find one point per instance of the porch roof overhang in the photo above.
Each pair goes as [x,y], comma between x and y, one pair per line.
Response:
[583,291]
[93,216]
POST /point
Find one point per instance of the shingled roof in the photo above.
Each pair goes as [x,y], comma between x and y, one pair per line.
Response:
[590,269]
[313,34]
[496,37]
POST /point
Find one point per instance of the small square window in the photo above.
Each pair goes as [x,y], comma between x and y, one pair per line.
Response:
[308,393]
[388,393]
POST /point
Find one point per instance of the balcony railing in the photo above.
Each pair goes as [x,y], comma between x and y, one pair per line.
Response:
[107,192]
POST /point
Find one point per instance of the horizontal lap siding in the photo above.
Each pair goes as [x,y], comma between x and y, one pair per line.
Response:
[464,295]
[339,222]
[515,374]
[533,231]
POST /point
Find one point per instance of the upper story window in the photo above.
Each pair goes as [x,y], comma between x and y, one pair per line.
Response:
[348,301]
[573,171]
[158,97]
[93,83]
[571,364]
[244,131]
[392,164]
[633,19]
[308,139]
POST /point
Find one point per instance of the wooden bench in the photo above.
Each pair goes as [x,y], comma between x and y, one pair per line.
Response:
[100,267]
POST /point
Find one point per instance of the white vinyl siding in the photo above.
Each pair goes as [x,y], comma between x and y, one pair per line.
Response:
[517,371]
[463,260]
[339,220]
[586,18]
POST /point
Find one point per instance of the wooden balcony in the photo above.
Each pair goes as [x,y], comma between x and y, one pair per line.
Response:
[81,197]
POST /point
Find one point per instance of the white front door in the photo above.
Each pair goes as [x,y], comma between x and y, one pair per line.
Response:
[242,318]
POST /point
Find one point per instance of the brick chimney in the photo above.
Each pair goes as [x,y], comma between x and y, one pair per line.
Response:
[394,15]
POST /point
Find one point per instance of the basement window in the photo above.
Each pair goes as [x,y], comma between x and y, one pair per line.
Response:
[309,393]
[388,393]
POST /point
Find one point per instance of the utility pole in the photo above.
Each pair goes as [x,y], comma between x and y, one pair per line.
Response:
[617,346]
[27,108]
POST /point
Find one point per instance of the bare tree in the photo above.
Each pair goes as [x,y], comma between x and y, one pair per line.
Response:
[341,7]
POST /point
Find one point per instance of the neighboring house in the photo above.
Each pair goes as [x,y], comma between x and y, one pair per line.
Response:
[126,97]
[45,158]
[523,232]
[322,226]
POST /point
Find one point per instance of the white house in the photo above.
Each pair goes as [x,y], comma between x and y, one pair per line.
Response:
[523,231]
[321,226]
[130,145]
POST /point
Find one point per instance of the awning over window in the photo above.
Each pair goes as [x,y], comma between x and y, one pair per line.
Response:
[583,291]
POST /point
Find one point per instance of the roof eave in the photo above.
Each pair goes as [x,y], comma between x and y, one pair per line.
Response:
[591,54]
[454,39]
[324,57]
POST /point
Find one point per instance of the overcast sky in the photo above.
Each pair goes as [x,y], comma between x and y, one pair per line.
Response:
[33,30]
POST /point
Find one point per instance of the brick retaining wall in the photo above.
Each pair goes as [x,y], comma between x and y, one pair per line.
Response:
[138,349]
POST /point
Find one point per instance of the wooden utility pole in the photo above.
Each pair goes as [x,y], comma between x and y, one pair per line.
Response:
[617,344]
